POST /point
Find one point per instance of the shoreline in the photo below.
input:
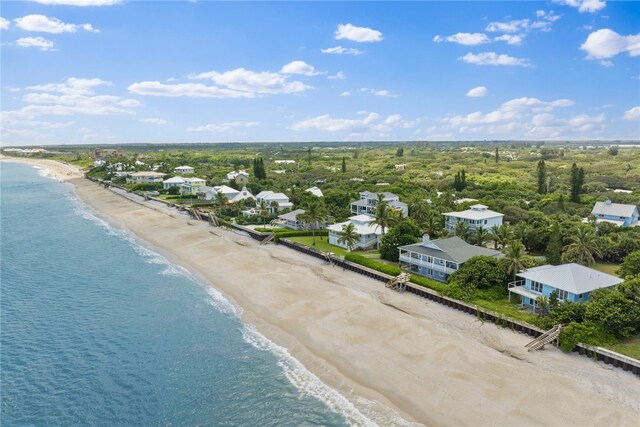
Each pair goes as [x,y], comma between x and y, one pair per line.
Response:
[428,363]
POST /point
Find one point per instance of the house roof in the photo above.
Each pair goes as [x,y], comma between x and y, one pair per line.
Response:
[226,190]
[149,174]
[374,195]
[476,212]
[174,180]
[291,216]
[574,278]
[243,194]
[363,225]
[315,191]
[270,195]
[193,180]
[613,209]
[183,167]
[451,249]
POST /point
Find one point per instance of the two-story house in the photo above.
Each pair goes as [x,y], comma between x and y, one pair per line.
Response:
[176,181]
[192,185]
[184,170]
[476,216]
[366,205]
[145,177]
[369,233]
[571,282]
[438,259]
[616,213]
[269,197]
[240,177]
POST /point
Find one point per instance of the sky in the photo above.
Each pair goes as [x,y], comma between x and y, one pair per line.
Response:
[123,71]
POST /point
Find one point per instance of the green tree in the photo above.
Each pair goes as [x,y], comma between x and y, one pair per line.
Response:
[348,236]
[481,236]
[462,230]
[344,165]
[483,271]
[631,288]
[584,245]
[576,182]
[500,235]
[405,233]
[554,247]
[314,214]
[612,309]
[514,253]
[400,152]
[221,201]
[382,213]
[542,304]
[497,155]
[264,213]
[630,266]
[542,177]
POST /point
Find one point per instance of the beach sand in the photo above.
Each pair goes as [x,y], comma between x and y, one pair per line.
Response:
[386,352]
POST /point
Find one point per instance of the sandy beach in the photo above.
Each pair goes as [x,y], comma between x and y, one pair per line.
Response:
[386,352]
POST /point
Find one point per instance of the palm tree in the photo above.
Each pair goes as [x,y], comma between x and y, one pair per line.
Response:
[382,214]
[433,223]
[514,253]
[314,214]
[349,236]
[274,207]
[419,210]
[462,230]
[221,201]
[481,236]
[521,232]
[446,199]
[585,244]
[500,235]
[264,213]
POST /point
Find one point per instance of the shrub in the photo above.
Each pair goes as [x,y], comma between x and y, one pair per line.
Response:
[428,283]
[373,264]
[585,333]
[482,271]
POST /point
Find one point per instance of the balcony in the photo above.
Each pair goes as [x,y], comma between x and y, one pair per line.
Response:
[419,262]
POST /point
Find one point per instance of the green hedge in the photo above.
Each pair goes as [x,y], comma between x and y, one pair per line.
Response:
[302,233]
[373,264]
[428,283]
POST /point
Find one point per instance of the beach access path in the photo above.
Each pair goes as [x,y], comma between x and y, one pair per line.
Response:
[388,353]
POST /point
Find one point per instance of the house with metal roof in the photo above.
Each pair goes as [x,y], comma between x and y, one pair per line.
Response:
[145,177]
[438,259]
[192,185]
[184,170]
[369,233]
[315,191]
[616,213]
[571,282]
[476,216]
[176,181]
[366,205]
[269,197]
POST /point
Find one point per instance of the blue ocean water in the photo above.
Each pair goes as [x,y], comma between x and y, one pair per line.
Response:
[97,330]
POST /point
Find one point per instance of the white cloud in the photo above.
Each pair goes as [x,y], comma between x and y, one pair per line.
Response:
[299,67]
[369,124]
[632,114]
[357,34]
[80,2]
[584,6]
[72,86]
[492,58]
[191,90]
[39,42]
[154,121]
[225,127]
[512,39]
[345,93]
[338,76]
[466,39]
[4,23]
[339,50]
[607,43]
[265,82]
[44,24]
[606,63]
[477,92]
[377,92]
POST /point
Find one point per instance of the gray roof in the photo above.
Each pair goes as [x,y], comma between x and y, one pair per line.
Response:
[291,216]
[614,209]
[574,278]
[451,249]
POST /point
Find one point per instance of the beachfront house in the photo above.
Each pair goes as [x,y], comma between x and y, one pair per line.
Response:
[366,205]
[476,216]
[571,282]
[240,177]
[275,202]
[315,191]
[291,220]
[145,177]
[192,185]
[184,170]
[438,259]
[369,233]
[243,194]
[176,181]
[616,213]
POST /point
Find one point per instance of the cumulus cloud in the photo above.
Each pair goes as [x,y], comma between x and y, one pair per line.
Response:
[345,93]
[512,39]
[265,82]
[299,67]
[606,43]
[338,76]
[357,34]
[466,39]
[584,6]
[225,127]
[367,125]
[190,90]
[4,24]
[632,114]
[80,2]
[477,92]
[377,92]
[339,50]
[492,58]
[154,121]
[44,24]
[39,42]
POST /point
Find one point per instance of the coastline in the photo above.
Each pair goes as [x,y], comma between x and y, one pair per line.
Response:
[429,363]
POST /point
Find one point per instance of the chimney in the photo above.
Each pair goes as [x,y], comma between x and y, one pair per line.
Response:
[607,202]
[425,239]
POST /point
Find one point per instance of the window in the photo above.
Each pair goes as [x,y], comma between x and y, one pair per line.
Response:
[562,295]
[536,286]
[485,221]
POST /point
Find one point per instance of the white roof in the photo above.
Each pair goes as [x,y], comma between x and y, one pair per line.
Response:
[291,216]
[270,195]
[184,167]
[476,212]
[234,174]
[315,191]
[193,180]
[574,278]
[243,194]
[150,174]
[614,209]
[174,180]
[363,225]
[226,190]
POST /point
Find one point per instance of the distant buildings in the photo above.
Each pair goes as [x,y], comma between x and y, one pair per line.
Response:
[240,177]
[438,259]
[145,177]
[275,202]
[476,216]
[368,232]
[232,195]
[616,213]
[191,186]
[315,191]
[570,282]
[176,181]
[368,201]
[184,170]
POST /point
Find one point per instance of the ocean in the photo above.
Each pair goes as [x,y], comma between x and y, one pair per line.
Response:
[98,330]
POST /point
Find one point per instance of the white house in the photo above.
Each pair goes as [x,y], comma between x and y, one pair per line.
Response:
[616,213]
[176,181]
[476,216]
[286,162]
[571,282]
[438,259]
[315,191]
[145,177]
[368,201]
[369,233]
[290,219]
[99,163]
[240,177]
[192,185]
[184,170]
[242,195]
[268,197]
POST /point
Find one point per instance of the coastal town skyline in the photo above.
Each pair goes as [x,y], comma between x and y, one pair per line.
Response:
[291,72]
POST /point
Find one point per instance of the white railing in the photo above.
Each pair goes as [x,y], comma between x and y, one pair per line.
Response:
[516,283]
[431,265]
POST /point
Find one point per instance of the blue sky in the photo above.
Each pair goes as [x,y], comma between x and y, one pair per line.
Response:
[110,71]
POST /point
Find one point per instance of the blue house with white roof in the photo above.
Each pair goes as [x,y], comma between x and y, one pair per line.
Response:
[475,217]
[571,282]
[616,213]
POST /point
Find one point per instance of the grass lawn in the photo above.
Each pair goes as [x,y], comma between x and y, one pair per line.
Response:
[606,267]
[508,309]
[630,347]
[323,245]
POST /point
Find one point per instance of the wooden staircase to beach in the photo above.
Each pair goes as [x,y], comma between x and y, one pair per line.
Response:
[268,239]
[399,283]
[547,338]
